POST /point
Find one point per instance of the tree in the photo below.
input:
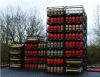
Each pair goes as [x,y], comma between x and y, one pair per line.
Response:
[14,23]
[94,51]
[20,24]
[7,25]
[96,23]
[35,24]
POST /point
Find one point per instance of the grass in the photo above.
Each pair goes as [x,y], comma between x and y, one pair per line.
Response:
[96,64]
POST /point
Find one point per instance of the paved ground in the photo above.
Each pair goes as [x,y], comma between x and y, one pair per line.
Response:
[6,72]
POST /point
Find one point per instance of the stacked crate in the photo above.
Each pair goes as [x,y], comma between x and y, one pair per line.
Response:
[55,39]
[66,39]
[31,53]
[75,39]
[16,55]
[41,53]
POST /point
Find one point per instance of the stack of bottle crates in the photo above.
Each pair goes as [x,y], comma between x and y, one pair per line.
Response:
[31,53]
[41,53]
[75,39]
[66,39]
[55,39]
[16,55]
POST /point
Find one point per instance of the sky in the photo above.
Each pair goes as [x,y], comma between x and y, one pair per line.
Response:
[42,5]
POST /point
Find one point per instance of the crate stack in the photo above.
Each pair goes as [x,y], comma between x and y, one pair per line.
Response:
[41,53]
[75,39]
[31,53]
[66,39]
[55,39]
[16,55]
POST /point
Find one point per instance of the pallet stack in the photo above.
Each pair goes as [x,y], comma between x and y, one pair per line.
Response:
[31,53]
[16,55]
[41,53]
[66,47]
[55,39]
[66,39]
[75,39]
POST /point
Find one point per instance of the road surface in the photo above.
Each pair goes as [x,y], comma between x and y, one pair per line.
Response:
[6,72]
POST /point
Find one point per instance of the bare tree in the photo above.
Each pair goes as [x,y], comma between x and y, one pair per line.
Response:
[7,24]
[34,24]
[96,23]
[94,51]
[14,23]
[20,22]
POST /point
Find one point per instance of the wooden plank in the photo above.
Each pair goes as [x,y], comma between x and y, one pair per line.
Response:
[16,46]
[15,59]
[15,52]
[72,70]
[73,59]
[73,62]
[15,65]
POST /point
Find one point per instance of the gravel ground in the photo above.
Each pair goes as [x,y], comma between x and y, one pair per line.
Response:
[6,72]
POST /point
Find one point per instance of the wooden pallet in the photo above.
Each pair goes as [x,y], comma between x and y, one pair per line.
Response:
[15,51]
[16,45]
[73,62]
[15,59]
[79,70]
[15,65]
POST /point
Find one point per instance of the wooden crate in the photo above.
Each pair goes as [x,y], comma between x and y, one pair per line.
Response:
[74,69]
